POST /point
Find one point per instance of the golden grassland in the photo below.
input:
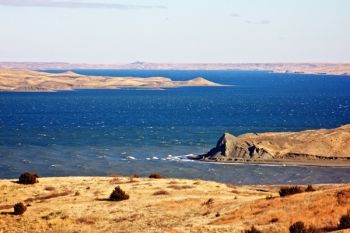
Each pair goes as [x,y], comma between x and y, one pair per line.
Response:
[80,204]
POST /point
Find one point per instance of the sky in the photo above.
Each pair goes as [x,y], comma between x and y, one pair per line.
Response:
[175,31]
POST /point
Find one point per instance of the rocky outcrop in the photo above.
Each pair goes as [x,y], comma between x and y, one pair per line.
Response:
[322,144]
[231,148]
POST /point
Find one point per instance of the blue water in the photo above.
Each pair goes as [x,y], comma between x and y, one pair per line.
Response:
[94,132]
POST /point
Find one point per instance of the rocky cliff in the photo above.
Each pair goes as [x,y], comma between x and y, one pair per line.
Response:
[322,144]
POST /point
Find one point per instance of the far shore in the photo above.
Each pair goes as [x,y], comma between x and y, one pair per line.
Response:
[337,69]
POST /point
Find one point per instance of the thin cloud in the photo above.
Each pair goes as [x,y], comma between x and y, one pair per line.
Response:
[234,15]
[74,4]
[264,21]
[249,21]
[261,22]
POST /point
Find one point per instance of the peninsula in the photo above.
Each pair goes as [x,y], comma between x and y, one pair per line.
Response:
[325,147]
[27,80]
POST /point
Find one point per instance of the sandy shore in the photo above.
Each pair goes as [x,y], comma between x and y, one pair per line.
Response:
[78,204]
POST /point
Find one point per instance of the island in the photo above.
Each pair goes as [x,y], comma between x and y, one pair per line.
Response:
[27,80]
[322,147]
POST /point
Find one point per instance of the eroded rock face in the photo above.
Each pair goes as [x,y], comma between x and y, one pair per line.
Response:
[230,148]
[321,144]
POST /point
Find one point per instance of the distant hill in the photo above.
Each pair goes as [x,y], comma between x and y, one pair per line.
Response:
[307,68]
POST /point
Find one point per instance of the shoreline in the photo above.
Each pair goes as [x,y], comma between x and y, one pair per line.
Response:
[316,68]
[283,163]
[27,80]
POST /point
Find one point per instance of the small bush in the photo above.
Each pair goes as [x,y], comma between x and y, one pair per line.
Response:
[209,202]
[19,208]
[179,187]
[273,220]
[297,227]
[155,176]
[310,188]
[118,195]
[49,188]
[252,230]
[344,222]
[161,192]
[28,178]
[286,191]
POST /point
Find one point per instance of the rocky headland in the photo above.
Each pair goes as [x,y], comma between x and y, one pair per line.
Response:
[314,147]
[27,80]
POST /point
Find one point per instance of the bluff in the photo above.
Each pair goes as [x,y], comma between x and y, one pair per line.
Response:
[326,144]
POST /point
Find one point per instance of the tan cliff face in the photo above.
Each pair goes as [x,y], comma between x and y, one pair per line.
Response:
[308,144]
[26,80]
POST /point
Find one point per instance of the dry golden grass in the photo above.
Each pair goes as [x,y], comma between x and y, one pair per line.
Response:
[204,207]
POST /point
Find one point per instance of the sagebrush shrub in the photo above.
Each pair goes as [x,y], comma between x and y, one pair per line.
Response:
[297,227]
[19,208]
[309,188]
[252,230]
[118,195]
[28,178]
[344,222]
[286,191]
[155,176]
